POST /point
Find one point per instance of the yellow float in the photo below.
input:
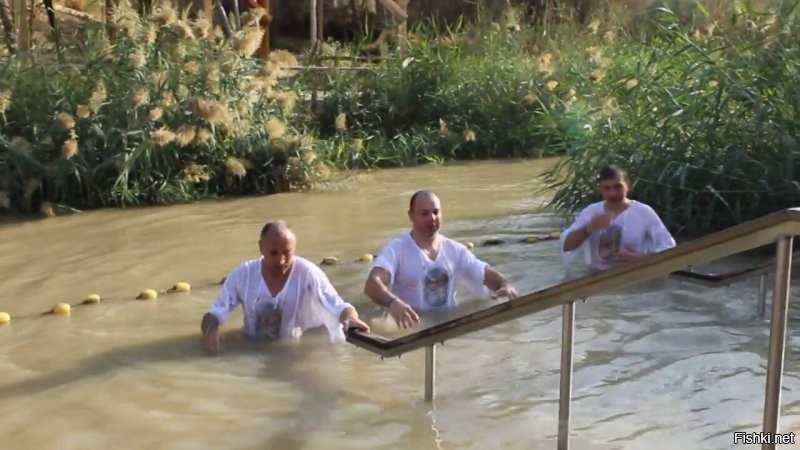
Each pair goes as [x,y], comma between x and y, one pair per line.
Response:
[330,261]
[147,294]
[91,299]
[181,286]
[5,318]
[61,309]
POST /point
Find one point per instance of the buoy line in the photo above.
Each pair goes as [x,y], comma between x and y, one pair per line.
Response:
[149,294]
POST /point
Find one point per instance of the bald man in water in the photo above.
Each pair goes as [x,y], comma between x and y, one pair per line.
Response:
[282,295]
[418,271]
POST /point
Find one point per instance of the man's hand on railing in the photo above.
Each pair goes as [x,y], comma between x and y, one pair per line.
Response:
[506,291]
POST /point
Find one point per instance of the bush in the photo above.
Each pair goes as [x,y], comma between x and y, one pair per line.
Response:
[705,124]
[162,115]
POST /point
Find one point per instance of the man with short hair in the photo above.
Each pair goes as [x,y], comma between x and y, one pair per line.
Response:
[282,295]
[616,230]
[418,271]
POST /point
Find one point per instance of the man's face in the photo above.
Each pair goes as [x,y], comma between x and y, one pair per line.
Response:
[426,215]
[614,190]
[278,252]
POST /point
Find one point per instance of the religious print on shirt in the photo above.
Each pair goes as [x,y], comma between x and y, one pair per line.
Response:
[609,241]
[437,286]
[268,316]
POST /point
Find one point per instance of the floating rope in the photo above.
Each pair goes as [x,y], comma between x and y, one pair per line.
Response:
[65,309]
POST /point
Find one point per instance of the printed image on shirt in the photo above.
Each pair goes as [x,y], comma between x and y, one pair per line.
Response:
[268,318]
[609,242]
[436,286]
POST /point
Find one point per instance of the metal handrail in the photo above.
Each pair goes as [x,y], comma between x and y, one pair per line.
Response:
[727,278]
[778,227]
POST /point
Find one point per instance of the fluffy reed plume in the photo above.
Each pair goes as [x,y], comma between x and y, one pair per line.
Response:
[597,75]
[443,131]
[162,136]
[165,15]
[46,210]
[167,101]
[235,167]
[211,111]
[20,145]
[341,122]
[357,146]
[529,99]
[5,101]
[551,85]
[594,26]
[201,26]
[98,96]
[469,135]
[150,34]
[65,121]
[287,100]
[203,135]
[182,30]
[212,73]
[309,157]
[196,173]
[247,41]
[191,68]
[275,127]
[155,114]
[126,19]
[138,58]
[278,63]
[70,146]
[83,111]
[77,5]
[139,98]
[185,135]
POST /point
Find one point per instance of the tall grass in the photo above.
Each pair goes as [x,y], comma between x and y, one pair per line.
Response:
[706,123]
[163,115]
[694,98]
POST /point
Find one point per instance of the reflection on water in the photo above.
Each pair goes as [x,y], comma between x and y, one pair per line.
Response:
[662,366]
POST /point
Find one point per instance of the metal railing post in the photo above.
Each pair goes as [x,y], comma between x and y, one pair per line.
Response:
[430,372]
[777,337]
[565,388]
[762,295]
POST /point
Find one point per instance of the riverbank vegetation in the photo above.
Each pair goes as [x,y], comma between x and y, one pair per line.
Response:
[697,103]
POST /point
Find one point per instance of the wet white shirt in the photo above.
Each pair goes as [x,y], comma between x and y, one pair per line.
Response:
[637,228]
[307,300]
[430,285]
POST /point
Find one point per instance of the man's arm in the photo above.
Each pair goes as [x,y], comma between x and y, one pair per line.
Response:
[377,287]
[575,238]
[226,302]
[493,279]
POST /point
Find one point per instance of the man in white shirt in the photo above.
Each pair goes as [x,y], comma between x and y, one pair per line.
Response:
[282,295]
[616,230]
[419,270]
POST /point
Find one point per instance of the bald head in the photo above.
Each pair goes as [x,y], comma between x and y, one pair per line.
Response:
[277,245]
[277,229]
[421,196]
[425,212]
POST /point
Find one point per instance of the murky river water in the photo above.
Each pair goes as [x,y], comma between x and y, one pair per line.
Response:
[672,369]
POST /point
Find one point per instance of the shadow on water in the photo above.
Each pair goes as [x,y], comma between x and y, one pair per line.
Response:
[309,366]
